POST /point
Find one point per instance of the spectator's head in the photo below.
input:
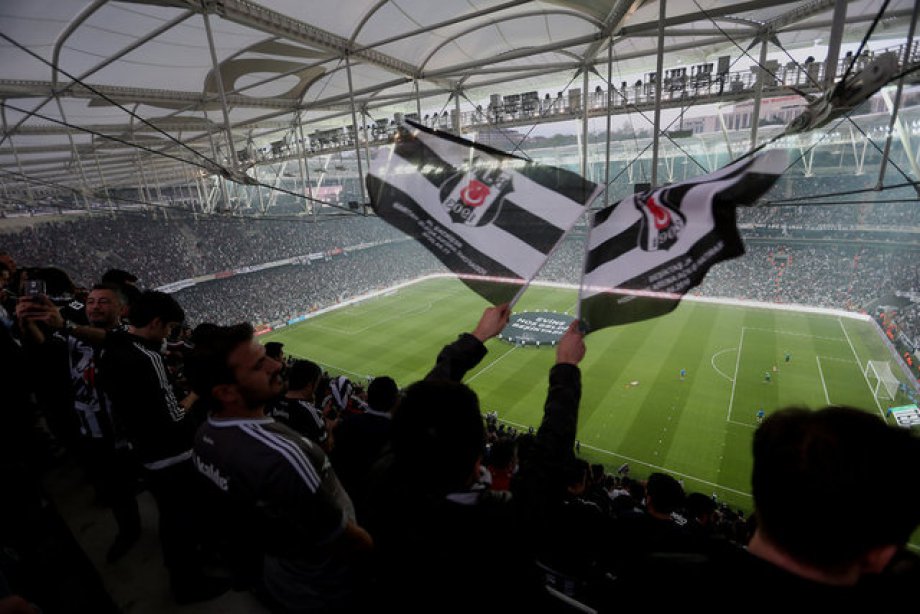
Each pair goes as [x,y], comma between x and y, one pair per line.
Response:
[663,495]
[6,259]
[635,487]
[155,314]
[228,368]
[273,350]
[576,476]
[810,518]
[700,508]
[105,305]
[383,394]
[5,275]
[502,455]
[597,473]
[120,277]
[303,377]
[438,435]
[202,331]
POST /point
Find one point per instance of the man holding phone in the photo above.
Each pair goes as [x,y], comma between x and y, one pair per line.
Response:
[101,445]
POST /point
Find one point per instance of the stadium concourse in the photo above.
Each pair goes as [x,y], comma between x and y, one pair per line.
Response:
[178,177]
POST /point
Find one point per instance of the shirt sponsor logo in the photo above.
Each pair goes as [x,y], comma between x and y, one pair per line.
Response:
[212,473]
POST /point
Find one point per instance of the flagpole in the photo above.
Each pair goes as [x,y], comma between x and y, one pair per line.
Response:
[584,267]
[552,251]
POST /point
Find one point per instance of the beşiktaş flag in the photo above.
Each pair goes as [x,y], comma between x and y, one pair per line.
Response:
[490,217]
[646,251]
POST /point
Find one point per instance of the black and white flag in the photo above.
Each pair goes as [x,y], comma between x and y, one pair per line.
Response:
[649,249]
[490,217]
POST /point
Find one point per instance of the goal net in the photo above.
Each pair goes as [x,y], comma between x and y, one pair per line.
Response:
[882,381]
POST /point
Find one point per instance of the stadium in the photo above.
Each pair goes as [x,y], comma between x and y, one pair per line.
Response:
[171,169]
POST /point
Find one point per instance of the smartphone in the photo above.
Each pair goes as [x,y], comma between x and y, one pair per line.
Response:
[35,287]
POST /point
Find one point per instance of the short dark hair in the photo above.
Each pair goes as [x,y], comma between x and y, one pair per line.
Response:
[665,492]
[152,304]
[502,453]
[207,364]
[699,505]
[118,290]
[273,349]
[118,276]
[382,394]
[808,466]
[576,472]
[303,373]
[438,435]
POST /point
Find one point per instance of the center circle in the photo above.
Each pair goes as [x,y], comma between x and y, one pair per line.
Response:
[536,328]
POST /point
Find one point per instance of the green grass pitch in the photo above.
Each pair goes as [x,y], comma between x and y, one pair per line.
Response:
[698,429]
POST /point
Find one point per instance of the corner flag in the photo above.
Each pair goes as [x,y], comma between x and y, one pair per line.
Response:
[648,250]
[490,217]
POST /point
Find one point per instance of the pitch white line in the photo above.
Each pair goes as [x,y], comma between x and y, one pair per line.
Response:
[731,401]
[846,360]
[490,365]
[789,332]
[351,332]
[640,462]
[341,370]
[750,426]
[859,366]
[823,383]
[712,361]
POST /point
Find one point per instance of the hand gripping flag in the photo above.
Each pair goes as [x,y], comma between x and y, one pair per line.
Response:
[490,217]
[649,249]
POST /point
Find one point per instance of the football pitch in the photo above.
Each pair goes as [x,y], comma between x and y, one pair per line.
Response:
[635,406]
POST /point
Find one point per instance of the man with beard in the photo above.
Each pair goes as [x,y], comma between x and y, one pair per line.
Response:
[102,446]
[278,494]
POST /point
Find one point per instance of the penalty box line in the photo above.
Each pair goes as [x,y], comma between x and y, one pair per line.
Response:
[734,380]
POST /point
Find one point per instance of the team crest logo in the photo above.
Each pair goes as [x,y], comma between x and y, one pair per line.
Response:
[661,224]
[475,197]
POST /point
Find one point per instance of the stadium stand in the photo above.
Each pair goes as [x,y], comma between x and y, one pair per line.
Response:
[420,499]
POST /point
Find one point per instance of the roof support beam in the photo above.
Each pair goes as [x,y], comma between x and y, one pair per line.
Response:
[894,106]
[272,22]
[357,133]
[758,94]
[722,11]
[16,88]
[659,81]
[833,47]
[220,90]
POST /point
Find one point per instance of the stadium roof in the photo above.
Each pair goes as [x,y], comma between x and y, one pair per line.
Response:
[310,63]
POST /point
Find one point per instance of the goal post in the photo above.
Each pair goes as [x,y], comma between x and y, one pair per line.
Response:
[882,381]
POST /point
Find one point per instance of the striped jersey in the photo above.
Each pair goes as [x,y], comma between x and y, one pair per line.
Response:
[143,402]
[284,477]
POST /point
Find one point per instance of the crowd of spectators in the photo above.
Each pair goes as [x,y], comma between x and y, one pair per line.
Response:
[822,273]
[838,216]
[292,290]
[853,275]
[160,249]
[408,524]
